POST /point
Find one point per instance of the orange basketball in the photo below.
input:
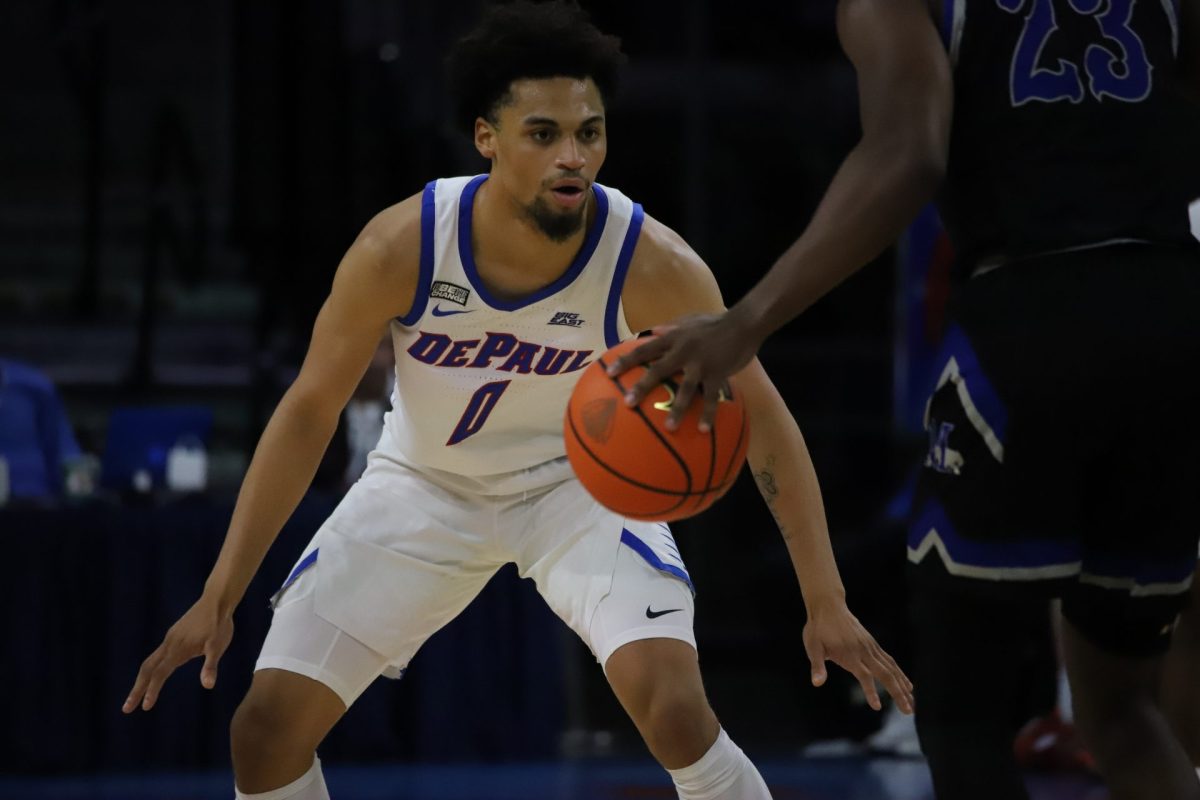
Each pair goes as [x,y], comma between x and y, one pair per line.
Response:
[628,459]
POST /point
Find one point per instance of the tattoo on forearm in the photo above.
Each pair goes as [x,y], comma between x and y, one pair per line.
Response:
[766,481]
[769,488]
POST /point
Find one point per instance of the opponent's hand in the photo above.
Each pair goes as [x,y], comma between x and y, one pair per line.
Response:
[707,349]
[201,631]
[835,634]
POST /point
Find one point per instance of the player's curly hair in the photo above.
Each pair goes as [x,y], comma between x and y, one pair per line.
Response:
[525,39]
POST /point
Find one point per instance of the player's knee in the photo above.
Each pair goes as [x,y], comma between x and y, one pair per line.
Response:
[678,719]
[261,729]
[253,725]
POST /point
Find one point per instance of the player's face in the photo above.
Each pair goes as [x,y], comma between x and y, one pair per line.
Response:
[546,147]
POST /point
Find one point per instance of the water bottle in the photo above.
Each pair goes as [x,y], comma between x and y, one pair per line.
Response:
[187,466]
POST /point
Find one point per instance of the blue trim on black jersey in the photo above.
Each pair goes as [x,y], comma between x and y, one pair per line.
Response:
[467,255]
[618,282]
[644,550]
[304,564]
[425,276]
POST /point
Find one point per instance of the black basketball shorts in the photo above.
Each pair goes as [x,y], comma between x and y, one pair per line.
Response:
[1064,439]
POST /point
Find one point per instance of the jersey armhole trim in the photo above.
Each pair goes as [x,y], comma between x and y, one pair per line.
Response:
[425,275]
[611,333]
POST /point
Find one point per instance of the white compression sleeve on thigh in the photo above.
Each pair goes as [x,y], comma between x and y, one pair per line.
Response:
[723,773]
[309,786]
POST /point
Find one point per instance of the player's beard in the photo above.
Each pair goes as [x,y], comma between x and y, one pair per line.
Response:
[558,226]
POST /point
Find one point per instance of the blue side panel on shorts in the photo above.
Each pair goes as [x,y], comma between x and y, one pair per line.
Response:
[304,564]
[1009,559]
[653,559]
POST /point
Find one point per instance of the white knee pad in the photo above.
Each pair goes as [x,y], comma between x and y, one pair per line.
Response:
[309,786]
[723,773]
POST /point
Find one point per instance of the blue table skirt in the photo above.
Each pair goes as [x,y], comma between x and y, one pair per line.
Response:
[89,591]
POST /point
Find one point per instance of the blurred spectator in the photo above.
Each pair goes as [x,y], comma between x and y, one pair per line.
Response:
[360,425]
[35,435]
[363,416]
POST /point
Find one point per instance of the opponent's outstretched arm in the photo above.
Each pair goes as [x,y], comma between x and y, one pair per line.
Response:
[368,290]
[905,102]
[666,279]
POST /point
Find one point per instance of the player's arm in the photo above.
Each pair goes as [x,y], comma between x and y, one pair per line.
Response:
[375,282]
[905,104]
[666,280]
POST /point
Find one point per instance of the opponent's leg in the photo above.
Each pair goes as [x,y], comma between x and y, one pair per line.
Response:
[968,667]
[1117,713]
[1180,695]
[658,683]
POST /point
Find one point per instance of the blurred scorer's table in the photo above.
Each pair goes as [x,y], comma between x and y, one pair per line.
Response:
[89,590]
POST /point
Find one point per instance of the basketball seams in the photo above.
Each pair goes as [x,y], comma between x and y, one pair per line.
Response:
[687,472]
[683,496]
[614,478]
[704,498]
[701,499]
[613,470]
[734,459]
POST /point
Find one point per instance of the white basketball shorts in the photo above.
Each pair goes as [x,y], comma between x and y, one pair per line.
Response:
[403,554]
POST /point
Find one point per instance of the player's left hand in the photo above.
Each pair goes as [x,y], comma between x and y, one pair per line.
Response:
[832,633]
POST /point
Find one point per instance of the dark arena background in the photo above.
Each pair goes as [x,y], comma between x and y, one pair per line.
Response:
[178,181]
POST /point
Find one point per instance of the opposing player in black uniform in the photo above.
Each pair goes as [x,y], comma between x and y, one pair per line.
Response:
[1062,443]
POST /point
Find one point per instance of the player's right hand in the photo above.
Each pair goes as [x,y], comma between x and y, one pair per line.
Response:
[706,349]
[201,631]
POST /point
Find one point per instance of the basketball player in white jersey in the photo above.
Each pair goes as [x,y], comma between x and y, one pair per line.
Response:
[498,290]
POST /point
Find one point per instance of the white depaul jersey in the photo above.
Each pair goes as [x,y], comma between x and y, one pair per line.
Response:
[482,382]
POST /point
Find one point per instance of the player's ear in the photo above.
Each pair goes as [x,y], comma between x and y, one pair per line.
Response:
[485,138]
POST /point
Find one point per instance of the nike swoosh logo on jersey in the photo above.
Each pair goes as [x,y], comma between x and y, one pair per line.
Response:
[656,614]
[438,312]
